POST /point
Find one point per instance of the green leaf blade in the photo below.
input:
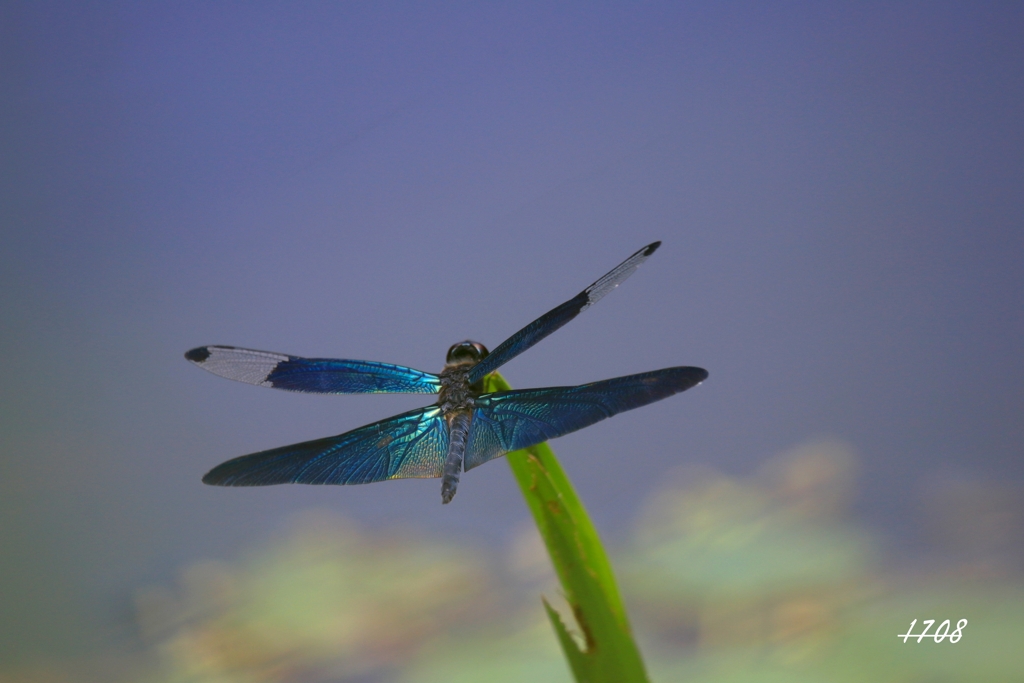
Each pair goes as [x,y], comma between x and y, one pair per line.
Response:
[610,654]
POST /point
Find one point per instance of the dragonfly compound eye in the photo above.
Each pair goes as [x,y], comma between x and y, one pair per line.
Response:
[466,351]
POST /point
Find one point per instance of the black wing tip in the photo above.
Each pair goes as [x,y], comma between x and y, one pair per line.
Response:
[689,375]
[218,476]
[198,354]
[651,248]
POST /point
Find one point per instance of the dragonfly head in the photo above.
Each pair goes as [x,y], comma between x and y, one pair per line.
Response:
[467,352]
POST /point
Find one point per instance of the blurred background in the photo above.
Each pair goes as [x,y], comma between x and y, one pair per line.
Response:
[839,192]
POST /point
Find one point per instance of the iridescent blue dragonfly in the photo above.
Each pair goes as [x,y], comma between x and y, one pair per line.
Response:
[465,427]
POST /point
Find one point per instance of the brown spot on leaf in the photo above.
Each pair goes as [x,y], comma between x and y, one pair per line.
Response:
[588,637]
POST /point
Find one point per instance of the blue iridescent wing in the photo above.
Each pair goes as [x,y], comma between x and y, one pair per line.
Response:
[406,446]
[509,420]
[314,375]
[559,316]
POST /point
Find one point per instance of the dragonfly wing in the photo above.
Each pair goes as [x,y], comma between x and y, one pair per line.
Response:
[410,445]
[559,316]
[314,375]
[509,420]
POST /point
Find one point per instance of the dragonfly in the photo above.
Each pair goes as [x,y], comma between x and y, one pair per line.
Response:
[463,429]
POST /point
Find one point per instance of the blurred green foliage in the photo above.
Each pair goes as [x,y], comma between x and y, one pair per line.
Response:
[760,579]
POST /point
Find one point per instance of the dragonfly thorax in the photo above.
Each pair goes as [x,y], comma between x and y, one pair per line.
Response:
[457,394]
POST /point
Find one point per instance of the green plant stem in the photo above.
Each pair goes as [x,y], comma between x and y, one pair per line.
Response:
[609,654]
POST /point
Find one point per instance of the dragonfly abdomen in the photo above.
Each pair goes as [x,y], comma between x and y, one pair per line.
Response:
[458,435]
